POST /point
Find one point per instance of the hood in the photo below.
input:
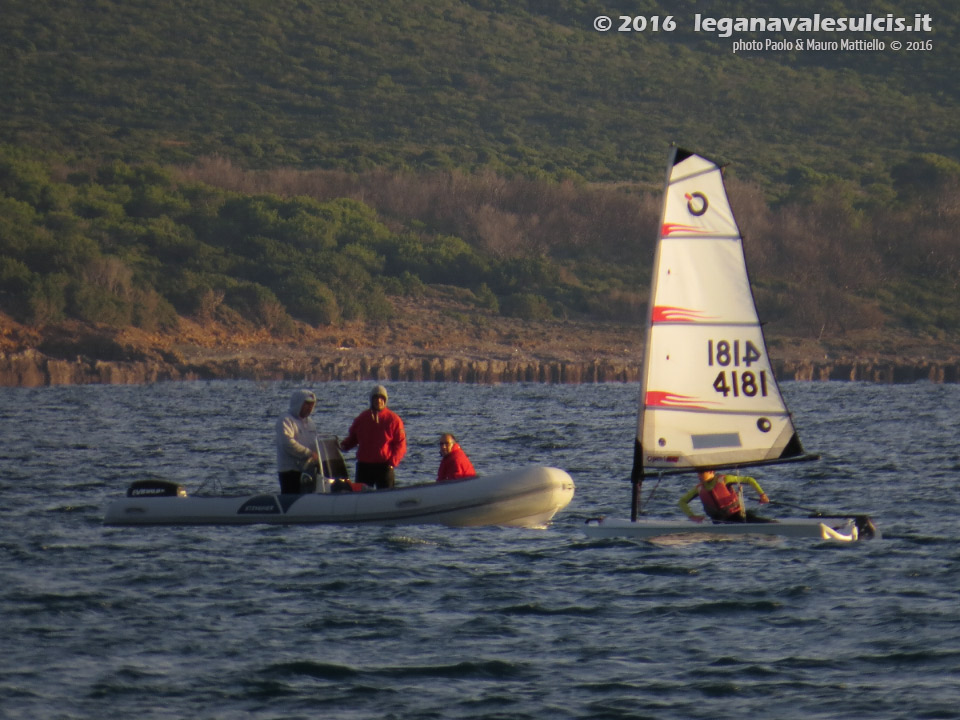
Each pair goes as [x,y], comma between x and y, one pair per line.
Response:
[298,398]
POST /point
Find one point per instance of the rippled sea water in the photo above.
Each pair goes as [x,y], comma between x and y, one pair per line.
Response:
[432,622]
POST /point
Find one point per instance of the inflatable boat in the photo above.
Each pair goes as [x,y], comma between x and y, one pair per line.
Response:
[526,497]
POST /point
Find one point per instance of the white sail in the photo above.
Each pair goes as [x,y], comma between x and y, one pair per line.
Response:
[708,396]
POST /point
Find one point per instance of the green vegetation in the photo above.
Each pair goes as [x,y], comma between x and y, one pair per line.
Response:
[143,245]
[126,245]
[524,87]
[302,161]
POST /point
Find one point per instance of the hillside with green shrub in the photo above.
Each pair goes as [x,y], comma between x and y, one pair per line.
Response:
[142,245]
[305,162]
[520,87]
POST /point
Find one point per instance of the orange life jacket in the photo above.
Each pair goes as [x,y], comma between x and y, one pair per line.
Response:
[719,502]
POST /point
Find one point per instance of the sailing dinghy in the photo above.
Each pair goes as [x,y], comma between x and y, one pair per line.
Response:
[708,397]
[526,497]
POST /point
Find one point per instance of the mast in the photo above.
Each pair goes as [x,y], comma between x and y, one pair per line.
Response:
[637,474]
[636,480]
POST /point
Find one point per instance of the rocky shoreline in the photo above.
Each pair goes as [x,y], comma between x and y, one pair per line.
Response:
[31,368]
[428,341]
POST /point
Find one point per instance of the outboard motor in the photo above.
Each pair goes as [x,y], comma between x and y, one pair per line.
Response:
[155,488]
[866,527]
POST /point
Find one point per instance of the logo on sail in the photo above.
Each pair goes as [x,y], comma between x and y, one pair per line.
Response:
[659,398]
[697,203]
[666,313]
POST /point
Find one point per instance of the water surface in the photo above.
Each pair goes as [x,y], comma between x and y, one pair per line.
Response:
[431,622]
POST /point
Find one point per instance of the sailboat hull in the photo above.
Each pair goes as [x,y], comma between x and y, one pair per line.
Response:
[834,529]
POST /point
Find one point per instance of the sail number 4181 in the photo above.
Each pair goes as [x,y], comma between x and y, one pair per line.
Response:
[738,382]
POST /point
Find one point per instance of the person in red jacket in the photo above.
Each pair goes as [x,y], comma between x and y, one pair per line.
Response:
[455,463]
[380,440]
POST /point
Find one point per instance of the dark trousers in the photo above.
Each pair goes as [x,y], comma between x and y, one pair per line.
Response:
[375,475]
[292,483]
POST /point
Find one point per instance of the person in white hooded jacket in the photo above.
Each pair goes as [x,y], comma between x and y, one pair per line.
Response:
[296,442]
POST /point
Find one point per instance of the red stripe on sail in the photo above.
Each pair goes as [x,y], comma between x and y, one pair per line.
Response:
[666,313]
[669,228]
[659,398]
